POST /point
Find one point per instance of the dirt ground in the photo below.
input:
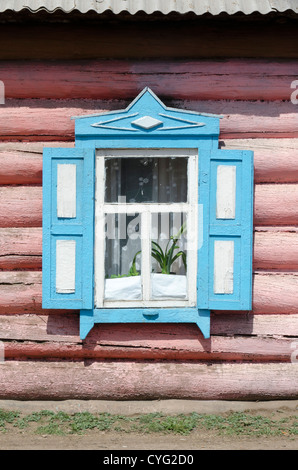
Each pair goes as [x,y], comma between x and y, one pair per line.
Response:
[118,441]
[198,439]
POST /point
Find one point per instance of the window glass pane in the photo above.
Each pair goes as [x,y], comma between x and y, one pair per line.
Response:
[169,256]
[123,257]
[137,180]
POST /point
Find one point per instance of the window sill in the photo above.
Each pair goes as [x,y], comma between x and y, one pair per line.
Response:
[88,318]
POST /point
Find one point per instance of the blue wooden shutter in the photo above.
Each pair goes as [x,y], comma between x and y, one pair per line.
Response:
[225,254]
[68,220]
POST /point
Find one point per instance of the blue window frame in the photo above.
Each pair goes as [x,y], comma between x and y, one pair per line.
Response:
[220,273]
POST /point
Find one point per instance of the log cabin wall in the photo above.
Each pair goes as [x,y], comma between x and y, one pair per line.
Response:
[57,66]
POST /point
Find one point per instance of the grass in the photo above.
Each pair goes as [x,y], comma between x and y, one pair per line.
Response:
[237,423]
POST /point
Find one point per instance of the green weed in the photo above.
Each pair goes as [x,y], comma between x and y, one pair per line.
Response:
[237,424]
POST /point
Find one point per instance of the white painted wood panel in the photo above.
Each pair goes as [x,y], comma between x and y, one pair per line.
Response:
[223,267]
[192,228]
[146,254]
[65,266]
[226,192]
[99,242]
[66,190]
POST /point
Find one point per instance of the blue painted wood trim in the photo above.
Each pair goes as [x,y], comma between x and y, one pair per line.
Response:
[173,122]
[240,230]
[147,141]
[144,315]
[86,322]
[117,130]
[80,228]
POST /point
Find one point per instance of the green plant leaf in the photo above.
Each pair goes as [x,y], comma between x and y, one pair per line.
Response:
[180,253]
[158,247]
[165,258]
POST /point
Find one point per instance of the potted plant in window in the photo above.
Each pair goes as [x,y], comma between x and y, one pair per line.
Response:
[167,284]
[124,286]
[167,257]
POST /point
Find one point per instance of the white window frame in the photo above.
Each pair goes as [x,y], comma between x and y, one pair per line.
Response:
[145,210]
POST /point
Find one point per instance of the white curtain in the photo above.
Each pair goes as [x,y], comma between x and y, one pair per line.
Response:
[162,180]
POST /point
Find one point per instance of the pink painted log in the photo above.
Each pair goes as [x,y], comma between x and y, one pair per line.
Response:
[213,350]
[275,204]
[127,380]
[57,336]
[20,292]
[204,80]
[21,248]
[253,324]
[276,251]
[55,327]
[51,120]
[275,161]
[276,166]
[36,147]
[249,119]
[64,328]
[21,206]
[21,163]
[275,293]
[25,168]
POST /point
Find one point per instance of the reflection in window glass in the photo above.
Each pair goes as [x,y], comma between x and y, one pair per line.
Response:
[123,257]
[145,179]
[168,234]
[169,256]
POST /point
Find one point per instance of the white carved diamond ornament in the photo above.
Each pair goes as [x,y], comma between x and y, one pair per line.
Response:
[147,122]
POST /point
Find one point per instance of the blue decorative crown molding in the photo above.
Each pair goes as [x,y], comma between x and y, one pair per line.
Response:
[146,116]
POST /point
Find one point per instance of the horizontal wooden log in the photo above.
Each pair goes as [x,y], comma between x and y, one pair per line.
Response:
[146,380]
[275,161]
[21,248]
[275,204]
[49,120]
[20,292]
[216,349]
[21,206]
[21,163]
[253,324]
[227,79]
[276,251]
[275,293]
[197,37]
[21,168]
[56,336]
[250,119]
[64,328]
